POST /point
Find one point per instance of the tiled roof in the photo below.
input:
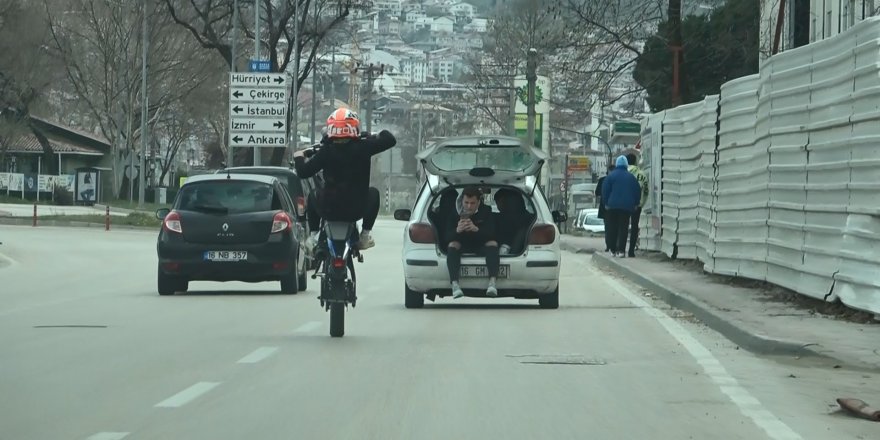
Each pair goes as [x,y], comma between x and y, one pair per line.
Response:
[28,144]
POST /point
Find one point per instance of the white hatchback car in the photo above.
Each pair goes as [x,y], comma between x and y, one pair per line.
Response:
[529,270]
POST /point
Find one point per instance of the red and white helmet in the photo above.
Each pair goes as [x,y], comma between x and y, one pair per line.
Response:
[343,124]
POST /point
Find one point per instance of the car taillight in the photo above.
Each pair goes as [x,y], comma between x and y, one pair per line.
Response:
[338,263]
[281,222]
[421,233]
[301,206]
[172,222]
[542,234]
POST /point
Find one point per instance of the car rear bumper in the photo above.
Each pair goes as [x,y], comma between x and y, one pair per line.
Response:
[425,271]
[265,261]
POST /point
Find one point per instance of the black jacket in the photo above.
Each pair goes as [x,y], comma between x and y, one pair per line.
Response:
[345,167]
[483,220]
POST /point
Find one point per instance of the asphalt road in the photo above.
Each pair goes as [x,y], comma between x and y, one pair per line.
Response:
[88,350]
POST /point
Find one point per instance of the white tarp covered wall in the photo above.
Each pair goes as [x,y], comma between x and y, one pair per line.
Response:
[778,178]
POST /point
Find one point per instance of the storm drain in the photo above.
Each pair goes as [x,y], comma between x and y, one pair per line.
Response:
[556,359]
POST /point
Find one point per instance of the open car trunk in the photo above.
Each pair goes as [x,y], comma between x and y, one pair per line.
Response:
[491,163]
[514,233]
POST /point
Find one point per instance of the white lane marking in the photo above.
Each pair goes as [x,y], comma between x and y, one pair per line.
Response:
[307,327]
[109,436]
[747,404]
[187,395]
[258,355]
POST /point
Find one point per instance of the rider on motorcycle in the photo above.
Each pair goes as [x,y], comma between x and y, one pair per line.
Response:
[345,158]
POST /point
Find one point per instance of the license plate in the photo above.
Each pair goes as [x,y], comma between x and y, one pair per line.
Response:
[226,255]
[474,271]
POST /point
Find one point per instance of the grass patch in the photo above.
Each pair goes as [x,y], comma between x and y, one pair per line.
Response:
[133,206]
[16,200]
[133,219]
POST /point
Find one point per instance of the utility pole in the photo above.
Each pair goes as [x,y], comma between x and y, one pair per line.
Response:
[144,108]
[372,71]
[333,78]
[314,94]
[294,127]
[258,159]
[675,45]
[532,78]
[230,159]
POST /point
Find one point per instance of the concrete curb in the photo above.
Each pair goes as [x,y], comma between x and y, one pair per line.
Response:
[16,221]
[736,333]
[575,249]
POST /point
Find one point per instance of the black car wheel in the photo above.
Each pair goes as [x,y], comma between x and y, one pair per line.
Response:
[302,281]
[290,282]
[168,285]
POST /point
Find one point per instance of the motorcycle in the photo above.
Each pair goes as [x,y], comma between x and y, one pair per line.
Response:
[335,256]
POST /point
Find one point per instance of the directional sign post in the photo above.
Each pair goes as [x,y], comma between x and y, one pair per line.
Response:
[258,109]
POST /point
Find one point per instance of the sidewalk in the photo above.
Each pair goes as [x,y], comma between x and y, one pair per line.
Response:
[761,318]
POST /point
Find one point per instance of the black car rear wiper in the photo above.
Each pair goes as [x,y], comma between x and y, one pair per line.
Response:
[212,208]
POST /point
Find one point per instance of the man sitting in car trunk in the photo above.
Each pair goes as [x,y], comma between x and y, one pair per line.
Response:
[472,231]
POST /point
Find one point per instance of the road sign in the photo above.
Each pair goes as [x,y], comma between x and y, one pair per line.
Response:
[258,109]
[258,140]
[260,66]
[578,163]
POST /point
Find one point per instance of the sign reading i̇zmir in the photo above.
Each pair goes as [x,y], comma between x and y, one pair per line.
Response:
[257,109]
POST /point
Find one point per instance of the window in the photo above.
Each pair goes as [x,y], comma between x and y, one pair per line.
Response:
[232,196]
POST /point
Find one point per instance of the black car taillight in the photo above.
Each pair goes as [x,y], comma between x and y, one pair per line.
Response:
[281,222]
[172,222]
[300,206]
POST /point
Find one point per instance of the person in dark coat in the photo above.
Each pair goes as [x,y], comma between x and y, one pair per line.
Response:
[601,215]
[621,194]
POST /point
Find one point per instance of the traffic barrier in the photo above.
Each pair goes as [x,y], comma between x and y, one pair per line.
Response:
[35,215]
[107,218]
[776,179]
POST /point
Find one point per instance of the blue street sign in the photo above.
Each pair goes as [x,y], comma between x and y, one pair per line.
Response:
[260,66]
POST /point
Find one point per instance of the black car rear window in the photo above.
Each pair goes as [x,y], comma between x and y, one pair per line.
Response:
[290,181]
[228,196]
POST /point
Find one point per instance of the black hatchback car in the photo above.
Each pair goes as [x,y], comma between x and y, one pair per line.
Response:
[298,188]
[231,227]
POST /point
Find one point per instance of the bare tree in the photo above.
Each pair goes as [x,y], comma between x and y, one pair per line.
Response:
[26,70]
[519,25]
[99,44]
[588,49]
[210,22]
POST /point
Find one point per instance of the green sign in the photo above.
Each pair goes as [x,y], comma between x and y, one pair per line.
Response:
[627,127]
[523,94]
[521,127]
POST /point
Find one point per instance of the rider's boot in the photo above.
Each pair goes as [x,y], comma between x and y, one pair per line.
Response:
[365,241]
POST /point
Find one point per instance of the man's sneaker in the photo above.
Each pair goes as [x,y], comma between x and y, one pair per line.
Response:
[631,254]
[491,290]
[311,243]
[456,290]
[365,241]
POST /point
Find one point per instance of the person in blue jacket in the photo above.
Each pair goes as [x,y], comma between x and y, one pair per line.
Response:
[621,194]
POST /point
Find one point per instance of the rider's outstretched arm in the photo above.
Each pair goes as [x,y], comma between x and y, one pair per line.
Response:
[308,168]
[381,142]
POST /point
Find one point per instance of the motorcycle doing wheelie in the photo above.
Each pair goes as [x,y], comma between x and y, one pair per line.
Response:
[335,254]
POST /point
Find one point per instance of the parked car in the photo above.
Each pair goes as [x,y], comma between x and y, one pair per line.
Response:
[530,270]
[588,221]
[231,227]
